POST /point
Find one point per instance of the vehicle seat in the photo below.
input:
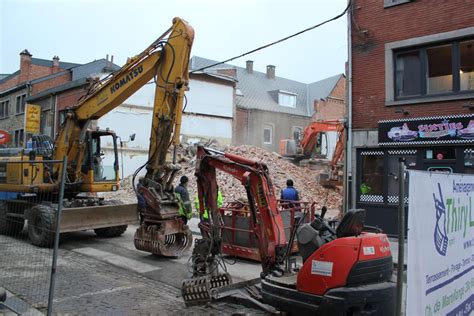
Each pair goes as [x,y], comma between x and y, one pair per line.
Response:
[351,224]
[311,236]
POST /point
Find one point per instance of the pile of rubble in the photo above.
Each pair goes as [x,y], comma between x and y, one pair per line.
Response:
[125,194]
[305,179]
[280,169]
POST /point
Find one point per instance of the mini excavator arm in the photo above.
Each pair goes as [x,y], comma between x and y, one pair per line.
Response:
[268,223]
[255,177]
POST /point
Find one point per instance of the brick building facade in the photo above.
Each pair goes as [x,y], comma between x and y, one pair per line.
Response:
[331,105]
[52,84]
[412,96]
[33,76]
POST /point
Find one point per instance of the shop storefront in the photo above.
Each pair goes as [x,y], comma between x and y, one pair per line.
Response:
[438,144]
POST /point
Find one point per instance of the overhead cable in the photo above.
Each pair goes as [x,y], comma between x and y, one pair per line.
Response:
[278,41]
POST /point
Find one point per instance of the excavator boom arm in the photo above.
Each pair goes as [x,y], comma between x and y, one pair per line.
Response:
[166,60]
[339,150]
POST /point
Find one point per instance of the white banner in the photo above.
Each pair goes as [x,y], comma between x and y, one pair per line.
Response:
[440,244]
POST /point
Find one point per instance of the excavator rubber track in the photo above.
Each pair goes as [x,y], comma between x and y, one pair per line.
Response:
[199,290]
[168,238]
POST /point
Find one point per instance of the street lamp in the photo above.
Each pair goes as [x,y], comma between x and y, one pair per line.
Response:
[131,138]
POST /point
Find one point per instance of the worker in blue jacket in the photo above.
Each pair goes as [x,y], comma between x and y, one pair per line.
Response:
[290,193]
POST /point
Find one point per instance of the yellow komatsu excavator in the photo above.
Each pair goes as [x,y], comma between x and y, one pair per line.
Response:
[32,187]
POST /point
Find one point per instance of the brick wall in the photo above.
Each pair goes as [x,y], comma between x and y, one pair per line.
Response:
[51,83]
[35,73]
[240,128]
[13,82]
[339,91]
[231,72]
[69,98]
[29,71]
[373,26]
[334,107]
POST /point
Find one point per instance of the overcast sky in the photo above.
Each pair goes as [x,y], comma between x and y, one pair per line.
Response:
[83,30]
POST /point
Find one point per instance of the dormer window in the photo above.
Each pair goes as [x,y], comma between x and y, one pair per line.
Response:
[287,99]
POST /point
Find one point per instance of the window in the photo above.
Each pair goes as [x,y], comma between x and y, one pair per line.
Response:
[297,132]
[469,160]
[19,138]
[46,122]
[104,166]
[435,70]
[267,134]
[287,99]
[20,104]
[466,69]
[4,108]
[440,153]
[372,175]
[62,117]
[469,157]
[320,143]
[408,74]
[439,70]
[391,3]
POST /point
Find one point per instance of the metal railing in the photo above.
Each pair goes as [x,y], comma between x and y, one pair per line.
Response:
[238,235]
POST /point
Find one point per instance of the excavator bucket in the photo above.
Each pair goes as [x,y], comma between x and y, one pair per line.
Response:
[201,290]
[326,181]
[168,238]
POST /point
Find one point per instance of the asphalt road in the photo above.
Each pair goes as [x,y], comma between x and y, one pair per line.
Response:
[98,276]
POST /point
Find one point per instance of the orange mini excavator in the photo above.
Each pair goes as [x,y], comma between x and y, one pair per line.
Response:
[345,271]
[299,149]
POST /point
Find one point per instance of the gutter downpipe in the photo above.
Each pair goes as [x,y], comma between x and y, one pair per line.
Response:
[349,178]
[54,102]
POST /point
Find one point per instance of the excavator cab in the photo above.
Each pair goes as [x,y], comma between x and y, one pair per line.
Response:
[100,170]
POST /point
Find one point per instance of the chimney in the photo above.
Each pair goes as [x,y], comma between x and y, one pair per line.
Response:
[55,67]
[249,66]
[231,72]
[271,72]
[25,65]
